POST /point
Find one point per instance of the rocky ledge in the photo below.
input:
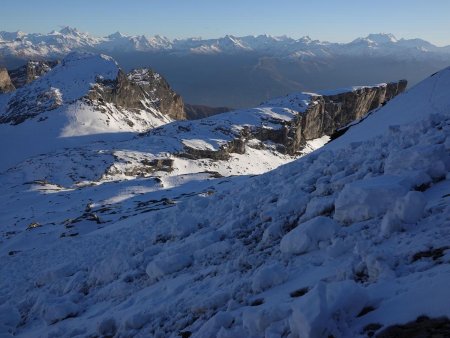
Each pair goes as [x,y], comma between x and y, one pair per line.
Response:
[141,89]
[137,91]
[323,115]
[330,112]
[31,71]
[6,85]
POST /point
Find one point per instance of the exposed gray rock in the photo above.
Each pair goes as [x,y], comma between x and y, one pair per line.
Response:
[144,168]
[328,113]
[24,105]
[324,115]
[6,85]
[30,72]
[141,89]
[195,112]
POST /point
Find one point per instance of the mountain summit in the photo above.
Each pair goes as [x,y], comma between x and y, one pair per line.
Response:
[80,100]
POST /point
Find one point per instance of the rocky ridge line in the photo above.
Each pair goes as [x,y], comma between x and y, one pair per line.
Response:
[141,89]
[323,116]
[6,85]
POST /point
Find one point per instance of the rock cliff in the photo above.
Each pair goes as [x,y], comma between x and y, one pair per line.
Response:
[322,116]
[5,82]
[140,89]
[30,72]
[327,113]
[143,96]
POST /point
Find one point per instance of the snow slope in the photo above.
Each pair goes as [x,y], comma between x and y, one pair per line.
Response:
[51,112]
[306,250]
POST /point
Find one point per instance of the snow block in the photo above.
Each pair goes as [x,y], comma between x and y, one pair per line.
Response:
[165,265]
[268,276]
[53,313]
[215,323]
[368,198]
[306,236]
[430,159]
[137,320]
[314,315]
[408,209]
[255,322]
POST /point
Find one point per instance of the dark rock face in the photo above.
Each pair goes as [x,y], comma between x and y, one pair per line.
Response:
[324,115]
[30,72]
[6,85]
[236,146]
[140,89]
[195,112]
[24,105]
[327,113]
[145,168]
[421,327]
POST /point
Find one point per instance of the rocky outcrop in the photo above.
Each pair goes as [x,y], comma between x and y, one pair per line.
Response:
[141,89]
[30,72]
[143,168]
[6,85]
[141,98]
[323,116]
[328,113]
[196,112]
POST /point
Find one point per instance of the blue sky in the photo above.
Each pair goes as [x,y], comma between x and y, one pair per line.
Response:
[333,20]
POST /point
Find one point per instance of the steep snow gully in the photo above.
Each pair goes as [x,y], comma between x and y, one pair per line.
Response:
[344,242]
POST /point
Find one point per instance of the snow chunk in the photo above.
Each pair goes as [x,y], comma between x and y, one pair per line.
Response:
[107,327]
[213,325]
[368,198]
[306,237]
[319,206]
[428,159]
[53,313]
[165,265]
[268,276]
[137,320]
[313,313]
[408,209]
[256,322]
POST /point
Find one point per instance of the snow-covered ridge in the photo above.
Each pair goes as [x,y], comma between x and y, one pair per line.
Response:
[307,250]
[85,97]
[56,44]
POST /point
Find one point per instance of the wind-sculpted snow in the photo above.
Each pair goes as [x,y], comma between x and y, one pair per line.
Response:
[224,263]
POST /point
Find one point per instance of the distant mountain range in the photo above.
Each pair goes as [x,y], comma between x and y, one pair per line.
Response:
[59,43]
[241,71]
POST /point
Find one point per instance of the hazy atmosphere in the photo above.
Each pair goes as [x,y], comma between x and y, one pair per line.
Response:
[337,21]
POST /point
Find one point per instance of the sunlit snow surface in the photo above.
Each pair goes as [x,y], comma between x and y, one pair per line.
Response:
[241,256]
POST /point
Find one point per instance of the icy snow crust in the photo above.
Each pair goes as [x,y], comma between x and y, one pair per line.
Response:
[224,263]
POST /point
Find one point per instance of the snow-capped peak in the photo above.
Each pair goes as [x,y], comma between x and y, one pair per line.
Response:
[58,44]
[382,38]
[69,31]
[116,35]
